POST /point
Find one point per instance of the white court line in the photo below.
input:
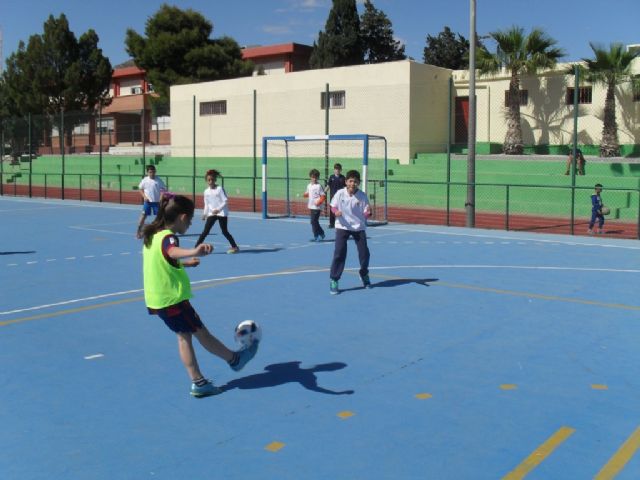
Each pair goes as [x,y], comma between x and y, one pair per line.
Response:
[319,270]
[387,228]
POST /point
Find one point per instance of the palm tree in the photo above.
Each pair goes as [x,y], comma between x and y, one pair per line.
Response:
[610,68]
[518,54]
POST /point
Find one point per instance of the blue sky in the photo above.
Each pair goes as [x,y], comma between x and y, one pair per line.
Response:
[573,23]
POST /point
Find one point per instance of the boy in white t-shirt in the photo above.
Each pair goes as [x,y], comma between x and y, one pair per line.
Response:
[151,189]
[316,197]
[351,208]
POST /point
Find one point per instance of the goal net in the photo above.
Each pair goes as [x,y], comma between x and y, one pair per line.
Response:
[287,160]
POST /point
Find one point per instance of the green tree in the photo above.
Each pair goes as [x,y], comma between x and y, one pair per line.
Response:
[377,36]
[447,50]
[518,54]
[176,49]
[340,44]
[56,73]
[610,67]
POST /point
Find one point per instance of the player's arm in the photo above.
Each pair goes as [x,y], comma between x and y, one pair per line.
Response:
[201,250]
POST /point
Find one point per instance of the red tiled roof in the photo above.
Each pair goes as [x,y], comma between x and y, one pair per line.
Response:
[128,72]
[249,53]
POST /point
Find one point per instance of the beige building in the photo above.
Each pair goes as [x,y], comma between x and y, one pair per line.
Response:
[404,101]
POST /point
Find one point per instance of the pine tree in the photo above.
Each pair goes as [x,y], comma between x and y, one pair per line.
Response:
[377,36]
[340,44]
[447,50]
[177,49]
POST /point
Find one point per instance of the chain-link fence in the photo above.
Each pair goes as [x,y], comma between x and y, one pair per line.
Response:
[424,119]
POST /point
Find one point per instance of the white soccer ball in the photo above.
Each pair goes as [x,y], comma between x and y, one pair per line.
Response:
[248,332]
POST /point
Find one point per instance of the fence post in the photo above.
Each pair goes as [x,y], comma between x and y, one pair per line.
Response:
[61,133]
[575,146]
[506,219]
[100,153]
[1,157]
[30,162]
[638,222]
[449,151]
[194,150]
[255,139]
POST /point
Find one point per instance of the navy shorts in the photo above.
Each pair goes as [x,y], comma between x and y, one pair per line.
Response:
[180,318]
[150,208]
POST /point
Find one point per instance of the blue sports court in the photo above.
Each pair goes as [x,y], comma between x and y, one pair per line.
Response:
[478,354]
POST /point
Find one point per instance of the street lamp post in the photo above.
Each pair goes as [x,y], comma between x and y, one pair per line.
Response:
[470,206]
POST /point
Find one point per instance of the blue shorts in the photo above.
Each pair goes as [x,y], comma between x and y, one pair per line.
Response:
[180,317]
[150,208]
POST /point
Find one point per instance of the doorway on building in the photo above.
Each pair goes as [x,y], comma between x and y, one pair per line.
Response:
[462,120]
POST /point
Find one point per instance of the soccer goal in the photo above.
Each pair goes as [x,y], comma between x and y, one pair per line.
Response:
[287,160]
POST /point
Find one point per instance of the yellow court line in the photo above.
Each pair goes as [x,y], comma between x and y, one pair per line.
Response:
[105,304]
[539,454]
[620,458]
[213,283]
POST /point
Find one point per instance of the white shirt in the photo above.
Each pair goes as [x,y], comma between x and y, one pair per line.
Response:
[152,188]
[352,208]
[315,191]
[215,199]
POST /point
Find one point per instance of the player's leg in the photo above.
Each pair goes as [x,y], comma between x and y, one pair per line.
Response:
[318,232]
[339,258]
[188,355]
[225,231]
[363,256]
[146,211]
[592,222]
[208,224]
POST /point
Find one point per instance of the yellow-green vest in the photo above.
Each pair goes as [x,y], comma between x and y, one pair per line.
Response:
[164,284]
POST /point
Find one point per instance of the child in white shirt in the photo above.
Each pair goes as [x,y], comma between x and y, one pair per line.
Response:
[151,188]
[351,208]
[215,208]
[316,197]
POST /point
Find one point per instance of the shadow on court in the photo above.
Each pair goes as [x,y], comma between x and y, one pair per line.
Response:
[258,250]
[289,372]
[18,253]
[395,282]
[398,282]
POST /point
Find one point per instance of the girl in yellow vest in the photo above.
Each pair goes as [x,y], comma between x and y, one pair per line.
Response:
[167,290]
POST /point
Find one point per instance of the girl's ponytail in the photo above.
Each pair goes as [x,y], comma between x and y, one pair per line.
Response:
[171,207]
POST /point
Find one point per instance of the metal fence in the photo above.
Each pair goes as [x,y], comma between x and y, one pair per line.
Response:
[554,209]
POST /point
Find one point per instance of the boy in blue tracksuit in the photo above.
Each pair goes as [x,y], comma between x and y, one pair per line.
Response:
[596,210]
[336,182]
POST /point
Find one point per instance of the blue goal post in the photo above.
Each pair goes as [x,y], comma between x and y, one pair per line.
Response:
[287,160]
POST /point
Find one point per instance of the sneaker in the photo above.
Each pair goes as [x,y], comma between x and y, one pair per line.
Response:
[245,355]
[590,232]
[366,282]
[321,236]
[233,250]
[331,226]
[333,287]
[600,231]
[205,390]
[314,239]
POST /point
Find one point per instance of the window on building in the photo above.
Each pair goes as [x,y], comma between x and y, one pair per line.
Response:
[105,125]
[524,97]
[150,87]
[584,95]
[136,90]
[218,107]
[336,99]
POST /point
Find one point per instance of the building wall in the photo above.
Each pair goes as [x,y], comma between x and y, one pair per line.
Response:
[377,101]
[546,119]
[404,101]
